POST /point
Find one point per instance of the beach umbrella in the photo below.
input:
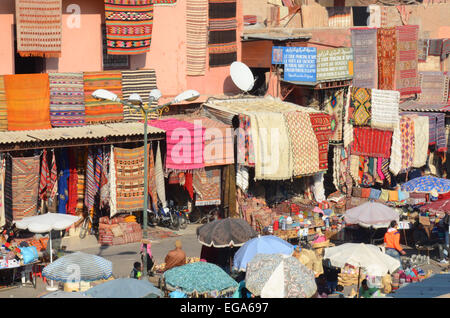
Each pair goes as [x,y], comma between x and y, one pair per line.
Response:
[47,222]
[427,184]
[267,244]
[361,255]
[200,278]
[371,214]
[124,288]
[437,285]
[77,267]
[63,294]
[227,232]
[279,276]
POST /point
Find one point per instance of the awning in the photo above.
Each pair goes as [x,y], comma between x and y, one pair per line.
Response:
[83,135]
[413,105]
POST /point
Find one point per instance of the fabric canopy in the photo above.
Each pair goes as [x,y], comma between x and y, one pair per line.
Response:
[225,233]
[362,255]
[427,184]
[371,214]
[437,206]
[124,288]
[47,222]
[77,267]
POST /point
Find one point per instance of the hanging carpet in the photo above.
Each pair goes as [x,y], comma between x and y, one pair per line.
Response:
[364,44]
[206,184]
[196,36]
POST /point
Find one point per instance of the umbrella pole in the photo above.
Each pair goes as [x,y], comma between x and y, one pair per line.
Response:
[51,287]
[359,275]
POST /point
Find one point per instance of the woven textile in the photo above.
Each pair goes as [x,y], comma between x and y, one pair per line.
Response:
[385,105]
[272,146]
[93,170]
[129,25]
[196,36]
[38,27]
[3,106]
[386,53]
[437,129]
[423,46]
[104,178]
[66,99]
[445,49]
[222,45]
[354,168]
[206,184]
[164,2]
[407,140]
[406,77]
[102,111]
[48,176]
[21,187]
[340,17]
[246,154]
[63,186]
[72,182]
[112,184]
[385,162]
[360,111]
[434,87]
[81,175]
[371,142]
[421,140]
[2,191]
[395,162]
[321,124]
[28,100]
[348,127]
[304,144]
[436,47]
[152,188]
[129,165]
[334,106]
[218,140]
[159,176]
[185,144]
[137,82]
[364,44]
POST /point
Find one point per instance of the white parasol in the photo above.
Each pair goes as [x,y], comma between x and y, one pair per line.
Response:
[46,223]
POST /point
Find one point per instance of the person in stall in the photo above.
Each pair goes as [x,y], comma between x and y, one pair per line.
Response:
[421,238]
[392,242]
[175,257]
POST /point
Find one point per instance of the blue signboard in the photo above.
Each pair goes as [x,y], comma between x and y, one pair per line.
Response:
[300,64]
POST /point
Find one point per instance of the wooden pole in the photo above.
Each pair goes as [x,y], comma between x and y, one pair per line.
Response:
[359,275]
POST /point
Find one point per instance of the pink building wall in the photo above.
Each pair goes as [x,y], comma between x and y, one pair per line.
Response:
[82,48]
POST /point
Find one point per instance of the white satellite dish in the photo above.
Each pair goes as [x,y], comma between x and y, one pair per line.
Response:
[242,76]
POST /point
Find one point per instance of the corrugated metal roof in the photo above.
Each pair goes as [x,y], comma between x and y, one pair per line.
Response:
[421,107]
[83,132]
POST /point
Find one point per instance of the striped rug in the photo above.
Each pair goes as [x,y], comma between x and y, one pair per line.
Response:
[137,82]
[129,164]
[364,44]
[66,99]
[222,46]
[434,87]
[3,106]
[386,52]
[196,36]
[406,76]
[21,187]
[102,111]
[39,27]
[129,25]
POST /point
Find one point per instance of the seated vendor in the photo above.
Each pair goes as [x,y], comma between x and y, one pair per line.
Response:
[366,292]
[421,238]
[175,257]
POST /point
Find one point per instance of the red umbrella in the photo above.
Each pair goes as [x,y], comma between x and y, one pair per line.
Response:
[437,206]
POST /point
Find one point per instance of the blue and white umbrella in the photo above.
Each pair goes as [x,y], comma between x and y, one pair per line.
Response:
[124,288]
[427,184]
[78,267]
[267,244]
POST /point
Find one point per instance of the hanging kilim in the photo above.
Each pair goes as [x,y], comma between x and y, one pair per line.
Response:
[406,68]
[222,32]
[38,27]
[137,82]
[196,36]
[360,111]
[164,2]
[386,52]
[129,25]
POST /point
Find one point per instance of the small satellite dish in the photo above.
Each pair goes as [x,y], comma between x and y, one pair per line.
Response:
[242,76]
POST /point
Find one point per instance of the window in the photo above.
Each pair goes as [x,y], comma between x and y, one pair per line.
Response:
[113,62]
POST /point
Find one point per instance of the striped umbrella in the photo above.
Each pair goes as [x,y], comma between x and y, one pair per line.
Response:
[77,267]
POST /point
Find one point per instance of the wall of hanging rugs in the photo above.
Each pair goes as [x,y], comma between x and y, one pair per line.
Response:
[43,101]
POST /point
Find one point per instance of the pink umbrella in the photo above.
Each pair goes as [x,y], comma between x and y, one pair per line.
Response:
[437,206]
[371,214]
